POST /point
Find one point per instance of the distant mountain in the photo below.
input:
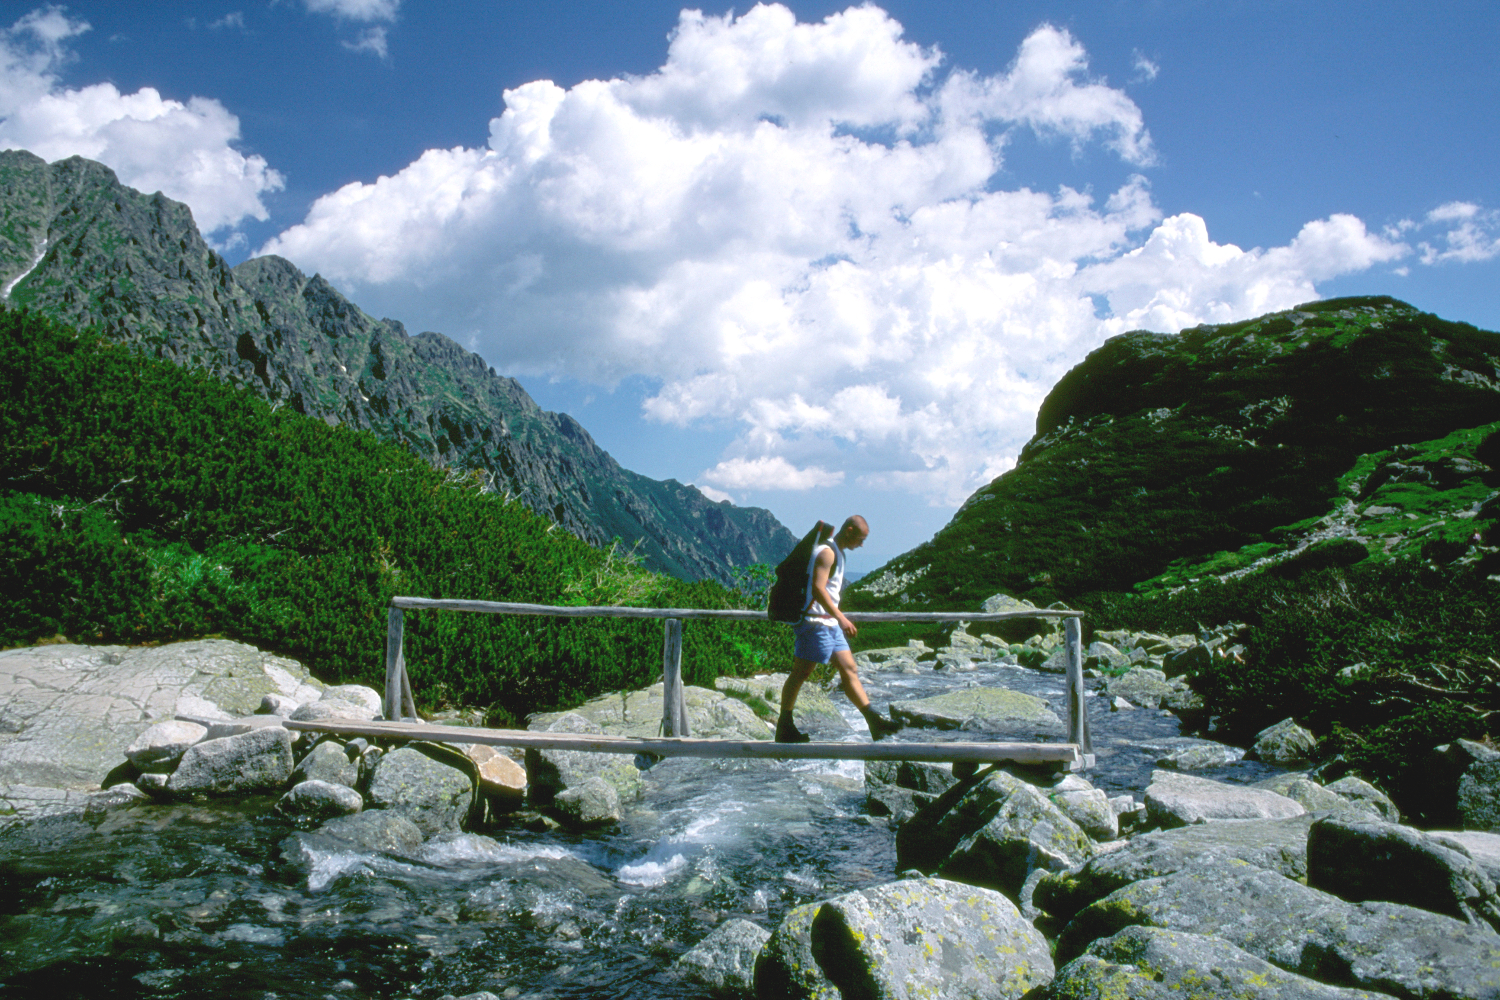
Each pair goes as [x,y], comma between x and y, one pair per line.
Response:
[1335,431]
[81,247]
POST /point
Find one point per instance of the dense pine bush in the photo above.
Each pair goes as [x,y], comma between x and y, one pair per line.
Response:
[145,502]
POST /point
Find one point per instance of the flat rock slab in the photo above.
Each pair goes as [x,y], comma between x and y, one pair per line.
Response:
[1278,845]
[68,713]
[711,715]
[1384,947]
[981,709]
[1149,963]
[1174,799]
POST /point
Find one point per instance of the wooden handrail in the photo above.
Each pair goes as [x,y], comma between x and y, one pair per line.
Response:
[561,611]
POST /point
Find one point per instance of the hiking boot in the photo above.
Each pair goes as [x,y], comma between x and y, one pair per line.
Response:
[787,731]
[880,726]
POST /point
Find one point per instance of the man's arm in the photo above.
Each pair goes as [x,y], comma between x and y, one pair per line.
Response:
[821,569]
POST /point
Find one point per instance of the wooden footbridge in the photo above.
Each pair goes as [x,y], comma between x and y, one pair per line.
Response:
[1074,754]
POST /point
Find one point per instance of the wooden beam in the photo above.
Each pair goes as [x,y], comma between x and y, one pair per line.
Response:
[555,611]
[1066,755]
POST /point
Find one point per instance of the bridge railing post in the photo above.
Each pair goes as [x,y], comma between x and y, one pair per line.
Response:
[395,663]
[1078,709]
[673,707]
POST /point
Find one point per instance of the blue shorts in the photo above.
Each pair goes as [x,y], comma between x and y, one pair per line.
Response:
[817,642]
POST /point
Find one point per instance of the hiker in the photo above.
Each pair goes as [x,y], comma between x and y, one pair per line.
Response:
[821,635]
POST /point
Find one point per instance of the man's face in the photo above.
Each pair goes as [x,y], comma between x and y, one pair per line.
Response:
[854,538]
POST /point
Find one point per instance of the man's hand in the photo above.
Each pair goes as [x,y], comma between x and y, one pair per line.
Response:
[849,627]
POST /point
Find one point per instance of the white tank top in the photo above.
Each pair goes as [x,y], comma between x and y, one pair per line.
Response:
[812,610]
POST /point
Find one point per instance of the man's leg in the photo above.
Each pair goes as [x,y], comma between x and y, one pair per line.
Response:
[843,661]
[786,728]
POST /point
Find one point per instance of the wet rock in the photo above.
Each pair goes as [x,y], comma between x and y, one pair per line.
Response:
[72,711]
[1174,799]
[259,761]
[1360,792]
[984,709]
[785,969]
[1394,949]
[355,694]
[117,797]
[312,801]
[1090,809]
[589,804]
[162,746]
[725,960]
[328,761]
[1150,963]
[154,785]
[1278,845]
[549,772]
[1284,743]
[435,797]
[376,830]
[318,711]
[1028,832]
[1143,686]
[1367,859]
[501,779]
[928,938]
[1201,757]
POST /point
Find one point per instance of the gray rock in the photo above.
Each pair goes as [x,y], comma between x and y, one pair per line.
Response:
[1357,791]
[318,711]
[114,797]
[501,780]
[1391,948]
[355,694]
[70,712]
[277,704]
[1004,602]
[1028,832]
[376,830]
[725,960]
[1186,661]
[986,709]
[328,761]
[549,772]
[928,938]
[919,776]
[312,801]
[925,840]
[435,797]
[1118,704]
[154,785]
[1484,848]
[1278,845]
[1150,963]
[1174,799]
[162,746]
[1091,810]
[259,761]
[1141,686]
[1182,700]
[1284,743]
[241,726]
[1366,859]
[1104,656]
[591,803]
[1479,797]
[785,969]
[711,714]
[1201,757]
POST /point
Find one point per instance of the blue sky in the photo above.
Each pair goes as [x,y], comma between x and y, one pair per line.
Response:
[813,258]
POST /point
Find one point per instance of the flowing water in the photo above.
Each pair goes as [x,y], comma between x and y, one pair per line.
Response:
[197,900]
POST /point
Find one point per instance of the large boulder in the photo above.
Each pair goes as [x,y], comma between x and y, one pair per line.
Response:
[928,938]
[591,803]
[982,709]
[1150,963]
[435,796]
[501,779]
[355,694]
[725,960]
[1088,807]
[1174,799]
[258,761]
[785,969]
[1284,743]
[926,839]
[1365,859]
[377,830]
[1362,794]
[1200,756]
[1394,949]
[162,746]
[319,711]
[328,761]
[1142,686]
[549,772]
[1278,845]
[311,802]
[1028,832]
[68,713]
[1312,796]
[711,714]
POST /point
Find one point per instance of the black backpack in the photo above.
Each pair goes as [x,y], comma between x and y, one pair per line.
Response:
[789,592]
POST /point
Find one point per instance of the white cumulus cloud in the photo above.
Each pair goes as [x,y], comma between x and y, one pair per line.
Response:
[797,228]
[184,150]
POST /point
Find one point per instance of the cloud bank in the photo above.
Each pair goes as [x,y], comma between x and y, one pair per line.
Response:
[797,229]
[184,150]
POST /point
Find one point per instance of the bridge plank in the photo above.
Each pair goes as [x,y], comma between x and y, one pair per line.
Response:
[1066,755]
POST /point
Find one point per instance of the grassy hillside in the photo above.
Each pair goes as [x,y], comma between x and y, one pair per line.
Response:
[147,502]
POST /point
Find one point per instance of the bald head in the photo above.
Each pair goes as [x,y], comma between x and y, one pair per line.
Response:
[853,532]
